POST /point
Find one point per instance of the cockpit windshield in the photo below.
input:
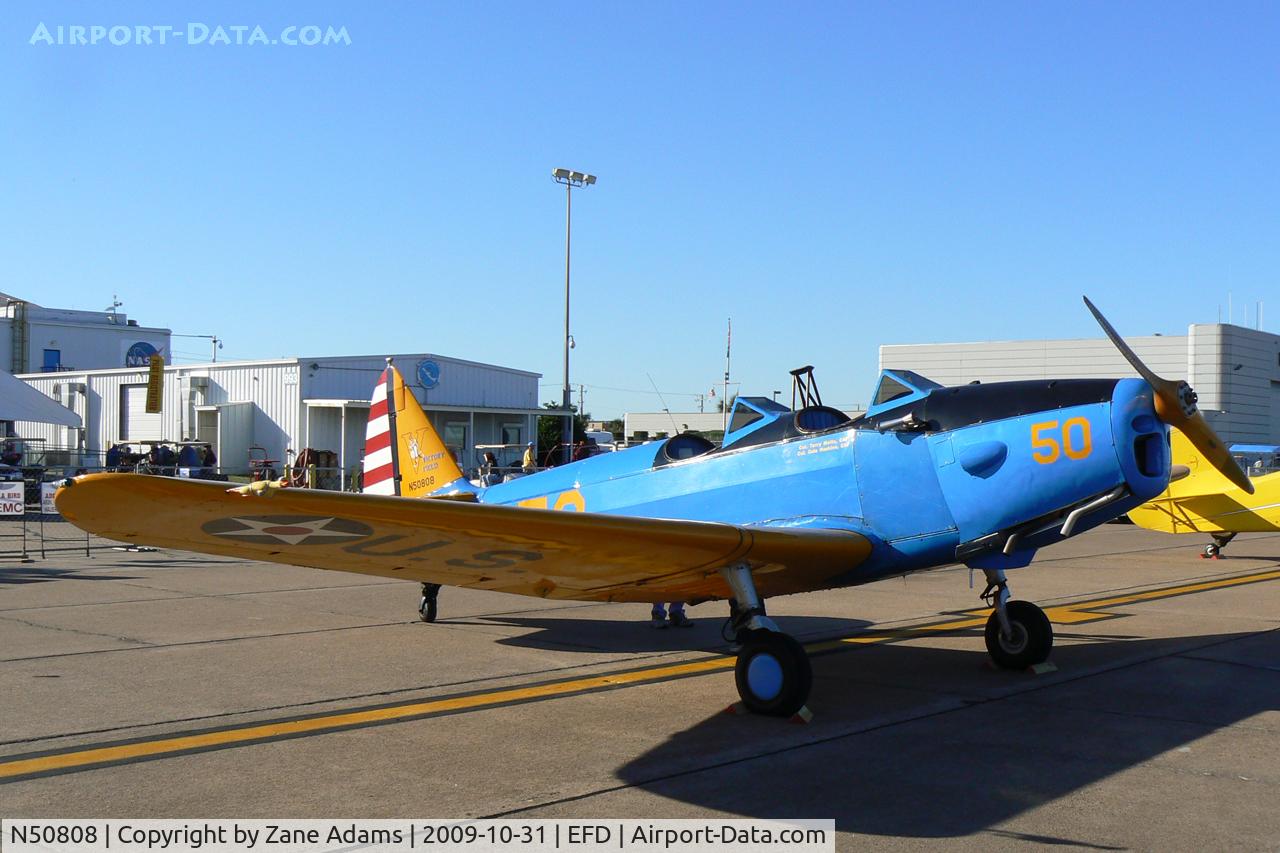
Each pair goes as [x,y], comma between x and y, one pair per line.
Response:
[897,387]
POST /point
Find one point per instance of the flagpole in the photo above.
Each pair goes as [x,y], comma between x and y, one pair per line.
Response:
[724,409]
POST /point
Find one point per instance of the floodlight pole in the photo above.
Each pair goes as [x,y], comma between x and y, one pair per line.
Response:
[567,430]
[570,179]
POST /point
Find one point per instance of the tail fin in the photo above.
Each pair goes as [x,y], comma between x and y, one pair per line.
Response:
[403,455]
[1203,478]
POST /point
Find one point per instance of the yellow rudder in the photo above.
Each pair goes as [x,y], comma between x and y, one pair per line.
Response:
[424,462]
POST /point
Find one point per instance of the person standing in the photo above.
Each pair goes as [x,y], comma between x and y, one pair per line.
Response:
[530,462]
[490,474]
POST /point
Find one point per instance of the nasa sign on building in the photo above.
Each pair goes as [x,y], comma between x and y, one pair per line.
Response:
[35,339]
[139,354]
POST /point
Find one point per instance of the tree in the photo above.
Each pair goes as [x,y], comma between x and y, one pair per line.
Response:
[550,428]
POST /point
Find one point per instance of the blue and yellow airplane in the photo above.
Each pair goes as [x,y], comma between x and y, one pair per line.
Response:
[795,499]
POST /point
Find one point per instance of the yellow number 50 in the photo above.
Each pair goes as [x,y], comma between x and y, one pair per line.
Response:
[1075,440]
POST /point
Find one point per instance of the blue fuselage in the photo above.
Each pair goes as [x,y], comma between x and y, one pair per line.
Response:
[949,486]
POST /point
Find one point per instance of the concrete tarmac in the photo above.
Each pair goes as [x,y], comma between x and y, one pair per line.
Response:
[165,684]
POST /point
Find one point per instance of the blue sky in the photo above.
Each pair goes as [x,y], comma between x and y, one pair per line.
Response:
[832,176]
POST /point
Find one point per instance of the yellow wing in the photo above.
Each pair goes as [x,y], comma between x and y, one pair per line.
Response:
[546,553]
[1204,501]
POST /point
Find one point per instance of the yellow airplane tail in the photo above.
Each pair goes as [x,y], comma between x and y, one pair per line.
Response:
[1201,477]
[403,454]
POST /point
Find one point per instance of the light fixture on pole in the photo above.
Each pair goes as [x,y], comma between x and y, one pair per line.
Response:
[570,179]
[215,343]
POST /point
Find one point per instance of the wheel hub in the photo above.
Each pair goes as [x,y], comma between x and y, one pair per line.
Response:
[1016,640]
[764,676]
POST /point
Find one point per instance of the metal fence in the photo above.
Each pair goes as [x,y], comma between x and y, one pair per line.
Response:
[31,528]
[34,530]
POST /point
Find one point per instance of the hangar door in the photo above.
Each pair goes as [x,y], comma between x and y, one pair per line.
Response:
[136,424]
[229,428]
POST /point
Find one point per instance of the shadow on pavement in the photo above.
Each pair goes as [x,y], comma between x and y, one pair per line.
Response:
[610,635]
[928,743]
[31,574]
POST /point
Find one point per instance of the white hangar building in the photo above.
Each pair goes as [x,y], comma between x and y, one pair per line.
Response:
[284,404]
[1234,370]
[35,339]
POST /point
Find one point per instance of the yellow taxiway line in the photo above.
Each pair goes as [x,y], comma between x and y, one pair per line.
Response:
[138,750]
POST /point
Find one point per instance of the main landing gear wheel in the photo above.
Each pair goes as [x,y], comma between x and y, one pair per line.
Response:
[1029,640]
[1213,551]
[773,673]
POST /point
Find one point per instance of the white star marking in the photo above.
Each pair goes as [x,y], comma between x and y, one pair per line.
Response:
[291,533]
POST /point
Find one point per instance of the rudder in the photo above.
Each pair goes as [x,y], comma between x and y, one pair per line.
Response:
[403,454]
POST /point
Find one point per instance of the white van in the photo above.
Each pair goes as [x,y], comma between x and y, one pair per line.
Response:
[603,440]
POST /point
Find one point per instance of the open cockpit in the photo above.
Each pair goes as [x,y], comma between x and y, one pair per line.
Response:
[756,421]
[760,420]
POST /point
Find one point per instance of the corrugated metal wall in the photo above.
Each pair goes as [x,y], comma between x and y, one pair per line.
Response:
[462,383]
[277,390]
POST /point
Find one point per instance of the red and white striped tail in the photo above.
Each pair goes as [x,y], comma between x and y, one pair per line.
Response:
[379,464]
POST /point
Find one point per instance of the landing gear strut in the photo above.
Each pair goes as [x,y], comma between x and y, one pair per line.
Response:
[1018,634]
[1213,551]
[427,604]
[772,673]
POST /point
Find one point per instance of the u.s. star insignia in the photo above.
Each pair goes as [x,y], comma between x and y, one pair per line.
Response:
[287,529]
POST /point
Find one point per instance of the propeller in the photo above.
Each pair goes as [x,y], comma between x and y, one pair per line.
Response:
[1176,406]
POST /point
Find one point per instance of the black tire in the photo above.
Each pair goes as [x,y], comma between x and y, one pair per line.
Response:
[1210,551]
[773,674]
[1032,638]
[427,609]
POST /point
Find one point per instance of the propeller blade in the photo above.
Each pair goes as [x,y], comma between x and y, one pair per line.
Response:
[1176,406]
